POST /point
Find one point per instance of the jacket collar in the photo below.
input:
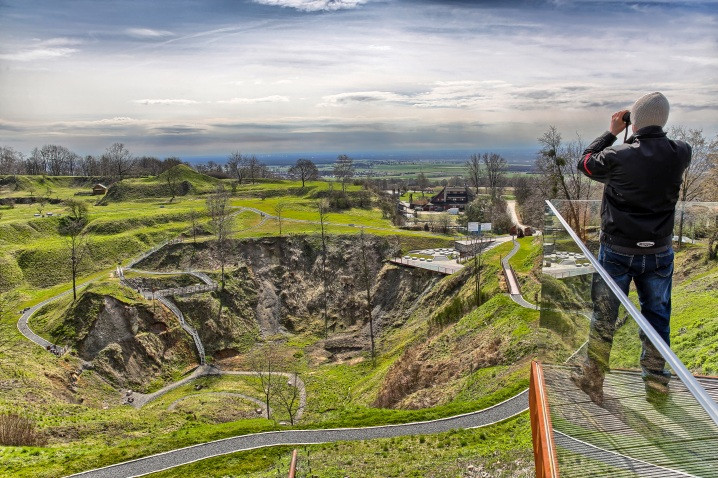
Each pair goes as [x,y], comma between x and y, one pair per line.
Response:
[647,132]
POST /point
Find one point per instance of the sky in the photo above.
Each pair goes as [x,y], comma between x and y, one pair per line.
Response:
[202,78]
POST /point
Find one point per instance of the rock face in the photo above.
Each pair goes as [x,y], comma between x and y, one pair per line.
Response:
[277,285]
[128,344]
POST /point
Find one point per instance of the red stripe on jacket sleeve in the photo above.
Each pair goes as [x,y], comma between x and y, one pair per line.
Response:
[585,165]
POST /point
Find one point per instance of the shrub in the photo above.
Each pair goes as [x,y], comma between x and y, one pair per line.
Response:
[16,430]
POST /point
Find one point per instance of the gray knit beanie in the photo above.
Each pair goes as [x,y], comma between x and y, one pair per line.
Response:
[650,110]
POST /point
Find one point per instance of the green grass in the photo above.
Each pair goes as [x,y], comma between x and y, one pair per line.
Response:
[501,450]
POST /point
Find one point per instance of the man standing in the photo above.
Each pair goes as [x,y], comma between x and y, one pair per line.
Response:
[642,180]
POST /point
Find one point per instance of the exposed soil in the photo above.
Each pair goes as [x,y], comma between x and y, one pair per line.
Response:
[128,344]
[276,286]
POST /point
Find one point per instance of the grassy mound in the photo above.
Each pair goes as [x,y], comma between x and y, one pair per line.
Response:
[10,273]
[187,181]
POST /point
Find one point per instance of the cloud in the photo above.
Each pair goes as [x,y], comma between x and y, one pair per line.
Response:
[251,101]
[147,33]
[314,5]
[166,102]
[38,54]
[177,130]
[444,94]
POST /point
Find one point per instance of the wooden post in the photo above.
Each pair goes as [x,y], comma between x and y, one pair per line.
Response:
[541,429]
[293,465]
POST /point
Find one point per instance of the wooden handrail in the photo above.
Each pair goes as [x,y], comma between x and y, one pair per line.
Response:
[293,465]
[541,429]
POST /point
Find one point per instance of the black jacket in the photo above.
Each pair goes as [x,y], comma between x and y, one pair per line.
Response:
[643,179]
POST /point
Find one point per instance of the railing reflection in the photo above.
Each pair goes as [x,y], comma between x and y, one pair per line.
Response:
[610,417]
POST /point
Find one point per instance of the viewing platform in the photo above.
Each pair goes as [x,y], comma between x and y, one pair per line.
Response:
[617,425]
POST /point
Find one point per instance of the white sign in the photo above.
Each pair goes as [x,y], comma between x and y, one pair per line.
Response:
[473,227]
[485,226]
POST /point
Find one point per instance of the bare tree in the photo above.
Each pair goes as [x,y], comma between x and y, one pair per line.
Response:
[253,168]
[478,265]
[235,165]
[58,160]
[344,170]
[220,219]
[556,163]
[265,363]
[422,182]
[119,160]
[194,224]
[289,395]
[693,181]
[305,170]
[443,222]
[323,210]
[278,210]
[72,227]
[495,168]
[10,161]
[473,171]
[367,277]
[172,177]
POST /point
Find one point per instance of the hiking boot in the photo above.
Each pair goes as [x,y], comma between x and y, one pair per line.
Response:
[656,391]
[589,378]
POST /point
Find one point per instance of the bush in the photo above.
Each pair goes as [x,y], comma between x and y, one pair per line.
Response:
[16,430]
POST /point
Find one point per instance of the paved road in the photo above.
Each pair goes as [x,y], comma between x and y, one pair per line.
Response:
[509,408]
[514,291]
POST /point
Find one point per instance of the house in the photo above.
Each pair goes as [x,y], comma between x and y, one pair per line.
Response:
[99,189]
[452,197]
[419,204]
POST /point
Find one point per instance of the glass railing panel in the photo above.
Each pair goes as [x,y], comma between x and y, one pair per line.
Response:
[610,416]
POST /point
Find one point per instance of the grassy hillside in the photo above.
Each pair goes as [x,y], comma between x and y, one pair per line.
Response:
[185,181]
[694,318]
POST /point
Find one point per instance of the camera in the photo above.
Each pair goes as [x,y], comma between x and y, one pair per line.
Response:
[626,117]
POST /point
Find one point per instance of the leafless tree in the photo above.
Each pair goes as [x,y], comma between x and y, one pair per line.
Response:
[344,170]
[278,210]
[72,227]
[266,362]
[172,177]
[495,168]
[693,182]
[473,171]
[289,395]
[220,220]
[119,160]
[323,210]
[194,224]
[367,277]
[253,168]
[443,222]
[477,247]
[556,164]
[235,165]
[304,170]
[10,161]
[422,182]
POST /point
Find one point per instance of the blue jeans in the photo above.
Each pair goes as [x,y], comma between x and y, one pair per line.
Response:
[653,276]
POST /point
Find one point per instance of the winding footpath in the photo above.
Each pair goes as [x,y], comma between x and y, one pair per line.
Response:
[507,409]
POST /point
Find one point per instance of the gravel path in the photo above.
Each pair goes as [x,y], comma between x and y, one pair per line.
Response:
[512,280]
[509,408]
